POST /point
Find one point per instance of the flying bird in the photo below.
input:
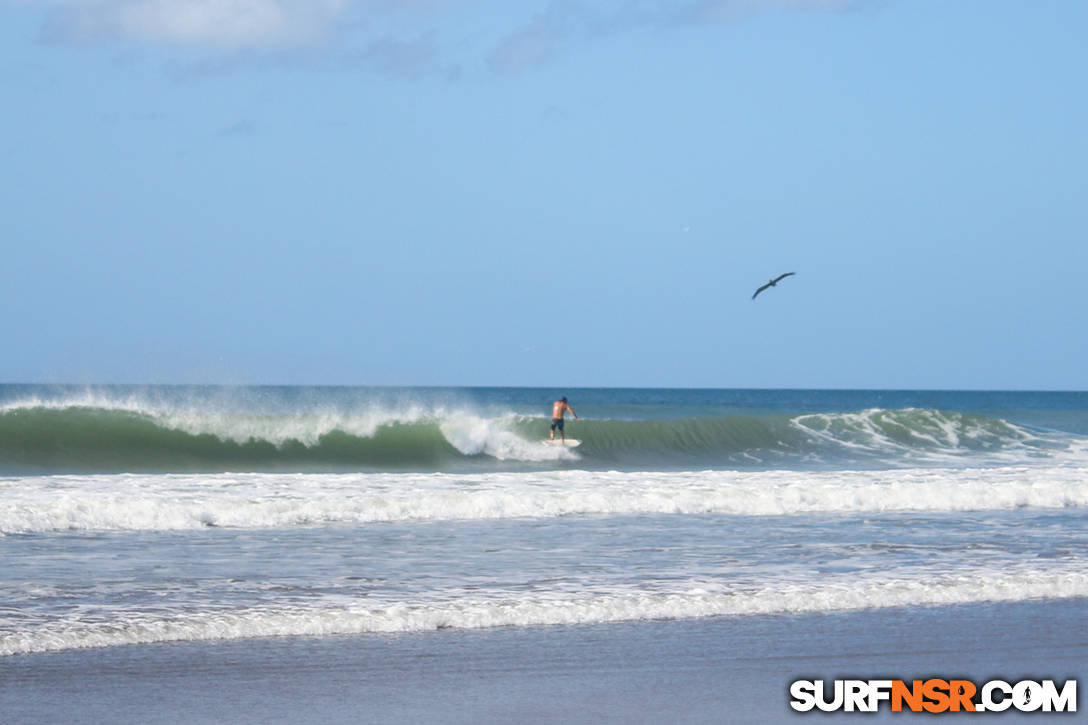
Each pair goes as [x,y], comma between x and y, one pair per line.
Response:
[772,283]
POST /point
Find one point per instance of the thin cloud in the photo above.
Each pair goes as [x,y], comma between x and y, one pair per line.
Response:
[564,23]
[716,11]
[242,128]
[410,58]
[400,37]
[223,24]
[540,40]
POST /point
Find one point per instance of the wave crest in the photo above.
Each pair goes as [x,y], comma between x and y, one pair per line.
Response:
[129,435]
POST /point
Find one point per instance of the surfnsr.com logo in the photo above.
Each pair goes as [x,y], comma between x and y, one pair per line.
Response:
[933,695]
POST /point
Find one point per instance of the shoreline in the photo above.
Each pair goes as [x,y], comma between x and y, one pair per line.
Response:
[717,669]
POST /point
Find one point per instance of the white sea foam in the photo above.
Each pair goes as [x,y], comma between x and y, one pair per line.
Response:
[473,435]
[931,436]
[896,438]
[231,420]
[465,429]
[175,501]
[364,616]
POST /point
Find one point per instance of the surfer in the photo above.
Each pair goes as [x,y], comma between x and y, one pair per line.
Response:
[559,409]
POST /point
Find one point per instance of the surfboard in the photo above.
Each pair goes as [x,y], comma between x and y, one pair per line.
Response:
[569,443]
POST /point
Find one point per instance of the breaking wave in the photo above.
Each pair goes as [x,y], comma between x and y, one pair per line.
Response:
[80,436]
[175,502]
[364,617]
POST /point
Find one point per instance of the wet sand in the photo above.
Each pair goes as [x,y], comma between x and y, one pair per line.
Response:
[714,670]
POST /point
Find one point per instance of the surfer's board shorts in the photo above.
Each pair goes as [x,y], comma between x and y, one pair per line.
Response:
[557,423]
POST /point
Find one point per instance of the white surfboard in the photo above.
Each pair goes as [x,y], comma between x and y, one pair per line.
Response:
[569,443]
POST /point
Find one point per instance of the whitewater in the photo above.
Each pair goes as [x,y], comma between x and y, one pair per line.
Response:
[133,502]
[154,515]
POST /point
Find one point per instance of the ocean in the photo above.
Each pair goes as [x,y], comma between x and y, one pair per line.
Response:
[275,524]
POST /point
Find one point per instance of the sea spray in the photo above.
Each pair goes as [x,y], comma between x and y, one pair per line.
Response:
[76,437]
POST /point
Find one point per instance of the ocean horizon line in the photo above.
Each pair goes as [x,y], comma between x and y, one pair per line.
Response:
[453,386]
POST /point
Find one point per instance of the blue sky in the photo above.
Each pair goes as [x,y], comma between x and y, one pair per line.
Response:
[466,192]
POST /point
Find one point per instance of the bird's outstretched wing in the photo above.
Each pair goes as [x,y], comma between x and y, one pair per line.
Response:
[772,283]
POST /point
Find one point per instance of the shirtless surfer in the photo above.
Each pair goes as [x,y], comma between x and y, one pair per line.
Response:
[559,409]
